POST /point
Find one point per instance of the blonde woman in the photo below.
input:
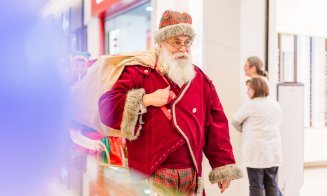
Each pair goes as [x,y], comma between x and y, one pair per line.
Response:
[258,120]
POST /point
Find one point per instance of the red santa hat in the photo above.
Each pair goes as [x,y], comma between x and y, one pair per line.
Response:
[174,23]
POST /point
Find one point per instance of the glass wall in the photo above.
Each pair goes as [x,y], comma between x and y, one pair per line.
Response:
[304,59]
[129,31]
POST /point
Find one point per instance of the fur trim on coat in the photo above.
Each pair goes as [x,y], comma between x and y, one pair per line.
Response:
[131,114]
[226,172]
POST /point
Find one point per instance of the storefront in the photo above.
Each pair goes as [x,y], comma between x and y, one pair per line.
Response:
[125,26]
[77,29]
[69,32]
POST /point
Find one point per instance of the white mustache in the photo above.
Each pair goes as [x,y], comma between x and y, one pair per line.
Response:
[181,54]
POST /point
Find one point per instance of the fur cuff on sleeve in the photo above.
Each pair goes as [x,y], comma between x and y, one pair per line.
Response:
[226,172]
[131,113]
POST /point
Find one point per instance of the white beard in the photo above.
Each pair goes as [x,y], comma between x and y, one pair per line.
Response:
[179,70]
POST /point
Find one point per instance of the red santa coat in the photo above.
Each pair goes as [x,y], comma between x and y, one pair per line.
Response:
[198,121]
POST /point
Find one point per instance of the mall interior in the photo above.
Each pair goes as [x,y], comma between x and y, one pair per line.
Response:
[290,36]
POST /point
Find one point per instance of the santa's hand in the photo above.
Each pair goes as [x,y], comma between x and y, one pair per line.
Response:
[223,185]
[159,97]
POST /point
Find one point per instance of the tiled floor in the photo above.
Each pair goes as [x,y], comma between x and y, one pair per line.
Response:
[315,182]
[315,149]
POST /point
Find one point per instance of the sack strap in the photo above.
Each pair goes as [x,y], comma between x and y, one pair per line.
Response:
[164,108]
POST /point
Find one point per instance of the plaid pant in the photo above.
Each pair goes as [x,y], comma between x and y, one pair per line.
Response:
[174,181]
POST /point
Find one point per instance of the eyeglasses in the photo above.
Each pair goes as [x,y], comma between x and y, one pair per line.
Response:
[178,44]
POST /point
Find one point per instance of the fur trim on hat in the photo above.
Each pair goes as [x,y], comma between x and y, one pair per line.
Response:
[227,172]
[174,30]
[131,114]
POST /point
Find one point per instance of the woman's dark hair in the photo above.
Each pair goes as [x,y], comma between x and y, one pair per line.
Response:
[259,86]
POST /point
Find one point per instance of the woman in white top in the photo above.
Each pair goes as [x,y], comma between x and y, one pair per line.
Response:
[259,120]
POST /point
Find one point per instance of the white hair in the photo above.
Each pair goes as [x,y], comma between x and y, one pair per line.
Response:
[179,66]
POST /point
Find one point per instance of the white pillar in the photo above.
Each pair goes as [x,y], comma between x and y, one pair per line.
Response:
[273,48]
[253,38]
[93,31]
[290,174]
[93,37]
[221,61]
